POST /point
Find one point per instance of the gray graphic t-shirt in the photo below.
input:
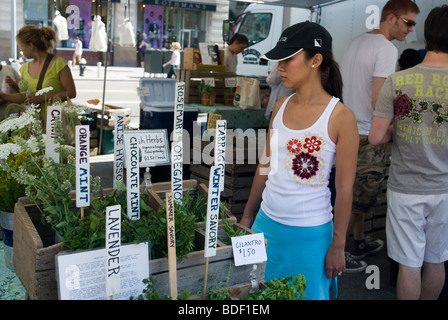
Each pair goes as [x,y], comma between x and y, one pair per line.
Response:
[417,100]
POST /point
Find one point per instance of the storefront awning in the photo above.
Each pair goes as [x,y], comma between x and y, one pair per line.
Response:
[182,4]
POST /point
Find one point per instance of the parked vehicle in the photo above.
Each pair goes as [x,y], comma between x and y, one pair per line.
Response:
[345,20]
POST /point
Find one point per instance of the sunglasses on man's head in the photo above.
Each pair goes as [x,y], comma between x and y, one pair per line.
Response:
[410,23]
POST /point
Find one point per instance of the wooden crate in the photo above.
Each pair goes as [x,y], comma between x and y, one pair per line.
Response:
[192,79]
[193,60]
[109,113]
[191,270]
[34,251]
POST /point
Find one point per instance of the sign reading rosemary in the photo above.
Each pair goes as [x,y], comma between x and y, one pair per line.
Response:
[132,176]
[82,144]
[177,146]
[118,148]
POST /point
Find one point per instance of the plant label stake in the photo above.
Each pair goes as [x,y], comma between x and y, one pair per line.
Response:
[220,148]
[132,176]
[118,148]
[216,185]
[82,146]
[171,241]
[54,114]
[113,247]
[176,150]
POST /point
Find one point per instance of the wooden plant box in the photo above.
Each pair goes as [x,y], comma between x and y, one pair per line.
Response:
[34,251]
[191,270]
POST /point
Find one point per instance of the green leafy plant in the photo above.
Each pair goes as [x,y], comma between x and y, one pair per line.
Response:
[230,229]
[221,292]
[205,88]
[288,288]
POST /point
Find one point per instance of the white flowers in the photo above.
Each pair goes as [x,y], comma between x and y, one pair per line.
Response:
[7,148]
[43,91]
[14,122]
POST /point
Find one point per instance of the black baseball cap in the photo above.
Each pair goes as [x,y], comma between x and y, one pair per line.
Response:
[304,35]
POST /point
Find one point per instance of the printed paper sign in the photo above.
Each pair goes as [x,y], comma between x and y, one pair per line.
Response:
[113,248]
[118,149]
[143,92]
[82,146]
[249,249]
[153,147]
[82,275]
[53,113]
[230,82]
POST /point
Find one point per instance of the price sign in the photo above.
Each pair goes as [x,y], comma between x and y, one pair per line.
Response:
[249,249]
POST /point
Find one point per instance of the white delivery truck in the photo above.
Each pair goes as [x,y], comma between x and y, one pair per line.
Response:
[344,19]
[263,25]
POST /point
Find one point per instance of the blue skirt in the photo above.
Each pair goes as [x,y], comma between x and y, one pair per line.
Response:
[298,250]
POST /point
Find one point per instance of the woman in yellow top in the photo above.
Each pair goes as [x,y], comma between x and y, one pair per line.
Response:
[37,43]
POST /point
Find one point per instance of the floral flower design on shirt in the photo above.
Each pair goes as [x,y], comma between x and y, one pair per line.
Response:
[305,165]
[405,107]
[303,156]
[312,144]
[294,146]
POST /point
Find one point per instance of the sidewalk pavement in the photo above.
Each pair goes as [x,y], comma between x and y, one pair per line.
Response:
[113,73]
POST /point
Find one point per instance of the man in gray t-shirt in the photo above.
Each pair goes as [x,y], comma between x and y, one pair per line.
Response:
[416,102]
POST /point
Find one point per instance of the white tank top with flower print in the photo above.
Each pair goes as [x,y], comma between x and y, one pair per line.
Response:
[297,192]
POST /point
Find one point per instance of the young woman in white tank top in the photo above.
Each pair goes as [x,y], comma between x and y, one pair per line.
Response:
[309,130]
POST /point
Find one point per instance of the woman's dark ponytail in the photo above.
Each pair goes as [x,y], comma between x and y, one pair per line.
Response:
[330,74]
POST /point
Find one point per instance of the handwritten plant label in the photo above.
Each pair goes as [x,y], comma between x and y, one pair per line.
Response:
[113,247]
[132,176]
[176,150]
[82,146]
[171,241]
[54,113]
[211,230]
[220,148]
[249,249]
[118,148]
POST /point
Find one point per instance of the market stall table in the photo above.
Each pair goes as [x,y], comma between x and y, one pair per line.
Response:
[236,117]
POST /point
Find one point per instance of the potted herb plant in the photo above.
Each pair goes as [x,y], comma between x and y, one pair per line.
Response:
[207,94]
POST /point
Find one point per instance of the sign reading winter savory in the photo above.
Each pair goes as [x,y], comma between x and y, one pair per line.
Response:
[82,147]
[177,145]
[82,275]
[216,185]
[54,113]
[118,148]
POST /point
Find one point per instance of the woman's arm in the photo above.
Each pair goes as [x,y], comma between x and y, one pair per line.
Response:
[347,144]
